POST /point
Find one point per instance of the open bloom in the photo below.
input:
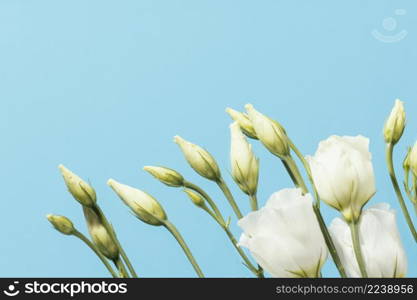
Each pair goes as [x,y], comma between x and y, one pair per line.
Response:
[343,174]
[284,237]
[381,246]
[245,166]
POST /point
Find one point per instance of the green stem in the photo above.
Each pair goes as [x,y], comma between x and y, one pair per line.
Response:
[173,230]
[253,202]
[210,201]
[316,208]
[257,272]
[230,198]
[116,240]
[391,171]
[121,267]
[354,230]
[103,259]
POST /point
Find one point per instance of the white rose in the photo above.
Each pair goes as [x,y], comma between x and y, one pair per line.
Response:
[284,237]
[381,246]
[343,174]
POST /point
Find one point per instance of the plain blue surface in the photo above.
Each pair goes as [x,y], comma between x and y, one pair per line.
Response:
[103,86]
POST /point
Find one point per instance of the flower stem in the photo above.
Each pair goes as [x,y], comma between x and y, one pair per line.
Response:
[256,271]
[354,230]
[222,185]
[316,208]
[121,267]
[103,259]
[391,171]
[110,229]
[253,202]
[210,201]
[173,230]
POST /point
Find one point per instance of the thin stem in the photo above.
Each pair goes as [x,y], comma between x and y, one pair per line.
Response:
[222,185]
[121,267]
[253,202]
[391,171]
[116,240]
[354,230]
[316,208]
[306,167]
[210,201]
[173,230]
[103,259]
[257,272]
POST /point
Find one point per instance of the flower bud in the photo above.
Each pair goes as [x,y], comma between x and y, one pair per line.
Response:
[395,124]
[243,120]
[199,159]
[144,206]
[412,159]
[406,162]
[245,166]
[165,175]
[99,234]
[79,189]
[197,199]
[269,132]
[62,224]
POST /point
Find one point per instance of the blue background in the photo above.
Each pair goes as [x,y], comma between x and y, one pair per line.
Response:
[103,86]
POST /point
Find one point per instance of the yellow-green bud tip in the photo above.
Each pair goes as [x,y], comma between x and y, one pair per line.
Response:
[196,198]
[166,175]
[395,124]
[61,224]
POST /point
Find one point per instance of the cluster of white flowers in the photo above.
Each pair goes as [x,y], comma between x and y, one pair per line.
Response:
[288,236]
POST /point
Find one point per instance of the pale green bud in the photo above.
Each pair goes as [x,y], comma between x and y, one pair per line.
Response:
[244,122]
[269,132]
[395,124]
[199,159]
[62,224]
[165,175]
[406,162]
[79,189]
[100,235]
[143,205]
[245,166]
[412,159]
[196,198]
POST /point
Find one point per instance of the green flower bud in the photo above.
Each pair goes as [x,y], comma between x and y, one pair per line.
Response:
[196,198]
[165,175]
[395,124]
[79,189]
[62,224]
[244,122]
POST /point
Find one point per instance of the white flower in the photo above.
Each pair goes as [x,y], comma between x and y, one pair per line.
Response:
[199,159]
[143,205]
[343,174]
[245,166]
[395,124]
[284,237]
[381,246]
[269,132]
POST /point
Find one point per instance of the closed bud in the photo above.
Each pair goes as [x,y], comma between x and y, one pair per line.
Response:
[412,159]
[79,189]
[406,162]
[395,124]
[144,206]
[165,175]
[62,224]
[244,122]
[245,166]
[196,198]
[100,236]
[199,159]
[269,132]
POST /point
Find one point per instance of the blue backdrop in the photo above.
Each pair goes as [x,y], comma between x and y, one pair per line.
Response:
[103,86]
